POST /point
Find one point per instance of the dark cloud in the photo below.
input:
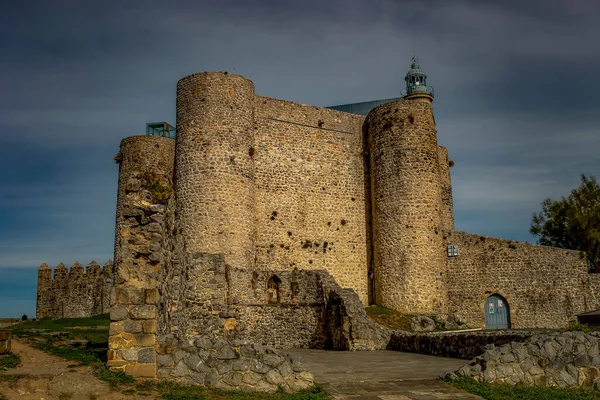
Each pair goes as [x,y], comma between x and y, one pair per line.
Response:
[515,83]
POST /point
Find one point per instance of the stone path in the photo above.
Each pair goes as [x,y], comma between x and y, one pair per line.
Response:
[382,375]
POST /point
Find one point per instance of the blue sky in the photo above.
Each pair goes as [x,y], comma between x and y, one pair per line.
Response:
[516,103]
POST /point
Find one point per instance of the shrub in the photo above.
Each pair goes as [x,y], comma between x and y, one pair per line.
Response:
[576,326]
[9,361]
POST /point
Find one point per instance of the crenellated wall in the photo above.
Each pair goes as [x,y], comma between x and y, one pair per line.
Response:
[74,293]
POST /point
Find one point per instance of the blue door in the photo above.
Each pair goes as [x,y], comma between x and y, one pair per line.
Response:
[497,313]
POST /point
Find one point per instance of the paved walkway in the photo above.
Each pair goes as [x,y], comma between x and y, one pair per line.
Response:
[382,375]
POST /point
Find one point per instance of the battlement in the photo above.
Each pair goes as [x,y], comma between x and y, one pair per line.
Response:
[74,292]
[92,271]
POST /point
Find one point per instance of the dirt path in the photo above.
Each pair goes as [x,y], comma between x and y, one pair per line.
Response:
[53,378]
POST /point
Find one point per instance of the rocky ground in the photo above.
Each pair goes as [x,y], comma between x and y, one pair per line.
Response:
[43,376]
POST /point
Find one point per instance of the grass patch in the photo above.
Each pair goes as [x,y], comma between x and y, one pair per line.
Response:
[83,357]
[56,325]
[94,336]
[389,318]
[173,391]
[9,361]
[114,378]
[493,391]
[576,326]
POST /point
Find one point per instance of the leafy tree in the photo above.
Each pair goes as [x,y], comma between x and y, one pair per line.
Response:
[572,222]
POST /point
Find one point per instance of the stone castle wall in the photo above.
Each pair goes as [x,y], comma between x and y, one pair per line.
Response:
[310,192]
[145,187]
[545,287]
[74,293]
[406,207]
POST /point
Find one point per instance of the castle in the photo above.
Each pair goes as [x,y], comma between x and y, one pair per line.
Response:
[271,222]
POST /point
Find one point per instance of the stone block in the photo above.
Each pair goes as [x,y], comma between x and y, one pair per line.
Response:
[144,339]
[242,364]
[146,356]
[151,296]
[121,341]
[129,354]
[130,295]
[117,364]
[226,353]
[141,370]
[118,313]
[149,326]
[224,367]
[233,379]
[132,326]
[111,355]
[259,367]
[115,328]
[165,360]
[181,370]
[5,335]
[274,377]
[252,378]
[143,312]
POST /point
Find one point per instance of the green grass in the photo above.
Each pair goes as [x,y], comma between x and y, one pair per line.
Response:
[114,378]
[576,326]
[492,391]
[172,391]
[57,325]
[81,356]
[94,336]
[389,318]
[9,361]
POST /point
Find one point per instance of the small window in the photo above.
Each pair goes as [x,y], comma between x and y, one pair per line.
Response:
[273,290]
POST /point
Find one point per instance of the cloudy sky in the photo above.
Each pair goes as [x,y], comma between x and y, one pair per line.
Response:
[516,86]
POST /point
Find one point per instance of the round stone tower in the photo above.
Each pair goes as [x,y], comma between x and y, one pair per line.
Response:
[139,158]
[215,171]
[406,202]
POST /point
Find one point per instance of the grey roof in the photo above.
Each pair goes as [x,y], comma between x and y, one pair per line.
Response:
[362,108]
[589,313]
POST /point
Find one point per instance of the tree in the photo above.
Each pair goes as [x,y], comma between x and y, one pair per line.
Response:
[572,222]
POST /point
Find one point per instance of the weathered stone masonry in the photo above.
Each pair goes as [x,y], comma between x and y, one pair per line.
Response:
[544,286]
[269,224]
[74,293]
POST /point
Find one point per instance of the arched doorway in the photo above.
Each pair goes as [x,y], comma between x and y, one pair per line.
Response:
[497,313]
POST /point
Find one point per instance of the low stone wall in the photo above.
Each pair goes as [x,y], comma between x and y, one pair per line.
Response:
[5,342]
[465,345]
[230,365]
[570,359]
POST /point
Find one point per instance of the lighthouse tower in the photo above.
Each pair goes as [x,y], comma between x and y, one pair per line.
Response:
[416,84]
[407,201]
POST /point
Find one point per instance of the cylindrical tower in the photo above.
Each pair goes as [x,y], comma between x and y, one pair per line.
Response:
[44,286]
[140,158]
[215,171]
[406,202]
